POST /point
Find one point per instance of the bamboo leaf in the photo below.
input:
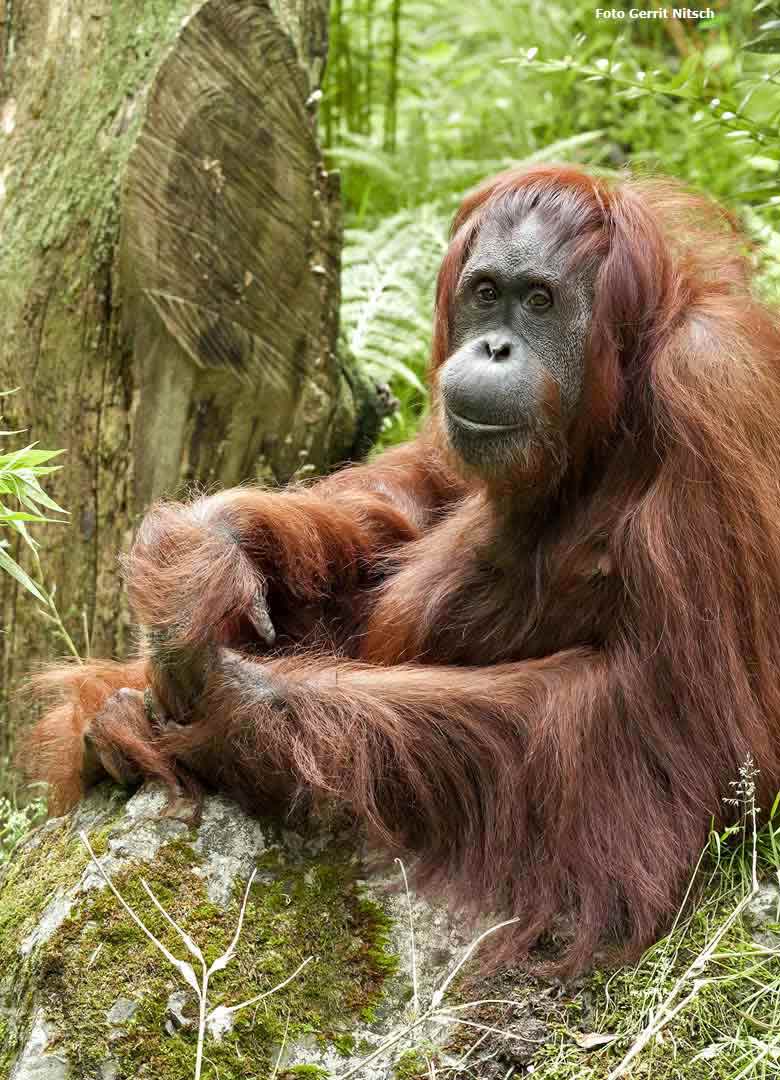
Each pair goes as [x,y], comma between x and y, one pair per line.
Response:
[14,569]
[28,457]
[7,515]
[35,493]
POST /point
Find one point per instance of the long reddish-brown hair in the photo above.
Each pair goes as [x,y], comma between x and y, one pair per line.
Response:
[563,736]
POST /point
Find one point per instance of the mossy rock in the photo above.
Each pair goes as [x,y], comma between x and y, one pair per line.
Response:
[84,994]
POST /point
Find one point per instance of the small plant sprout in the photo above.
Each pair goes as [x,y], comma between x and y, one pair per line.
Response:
[217,1021]
[745,797]
[16,821]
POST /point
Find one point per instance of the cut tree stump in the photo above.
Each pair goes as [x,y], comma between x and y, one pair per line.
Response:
[169,274]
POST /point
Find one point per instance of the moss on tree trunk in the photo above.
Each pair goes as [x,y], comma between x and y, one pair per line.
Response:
[169,273]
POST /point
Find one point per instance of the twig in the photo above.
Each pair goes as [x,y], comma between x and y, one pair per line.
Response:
[87,636]
[186,970]
[447,1018]
[230,1009]
[53,614]
[412,949]
[433,1013]
[281,1048]
[439,994]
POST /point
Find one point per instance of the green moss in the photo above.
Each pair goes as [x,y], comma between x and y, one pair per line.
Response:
[40,870]
[344,1043]
[412,1065]
[36,873]
[69,174]
[312,1072]
[301,908]
[381,925]
[5,1049]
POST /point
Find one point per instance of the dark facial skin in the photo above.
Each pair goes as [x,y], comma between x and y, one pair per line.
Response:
[514,379]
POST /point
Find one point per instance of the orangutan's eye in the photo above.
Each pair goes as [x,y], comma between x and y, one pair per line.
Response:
[486,293]
[538,299]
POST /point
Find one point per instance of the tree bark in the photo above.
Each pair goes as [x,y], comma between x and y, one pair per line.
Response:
[169,273]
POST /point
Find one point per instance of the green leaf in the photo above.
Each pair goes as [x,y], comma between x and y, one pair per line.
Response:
[397,367]
[30,493]
[14,569]
[7,515]
[556,150]
[28,457]
[38,470]
[16,521]
[765,43]
[38,495]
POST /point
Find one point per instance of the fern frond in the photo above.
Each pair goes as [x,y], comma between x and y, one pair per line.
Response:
[389,273]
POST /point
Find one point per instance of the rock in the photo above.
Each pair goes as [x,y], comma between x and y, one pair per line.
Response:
[322,965]
[763,915]
[122,1011]
[764,907]
[84,992]
[35,1062]
[175,1016]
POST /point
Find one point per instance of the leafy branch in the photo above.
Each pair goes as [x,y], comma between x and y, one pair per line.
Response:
[21,472]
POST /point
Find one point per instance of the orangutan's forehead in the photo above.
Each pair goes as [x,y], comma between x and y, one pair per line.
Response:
[530,245]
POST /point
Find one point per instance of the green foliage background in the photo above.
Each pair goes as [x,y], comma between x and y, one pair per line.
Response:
[424,98]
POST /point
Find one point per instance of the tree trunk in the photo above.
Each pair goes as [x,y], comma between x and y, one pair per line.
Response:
[169,273]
